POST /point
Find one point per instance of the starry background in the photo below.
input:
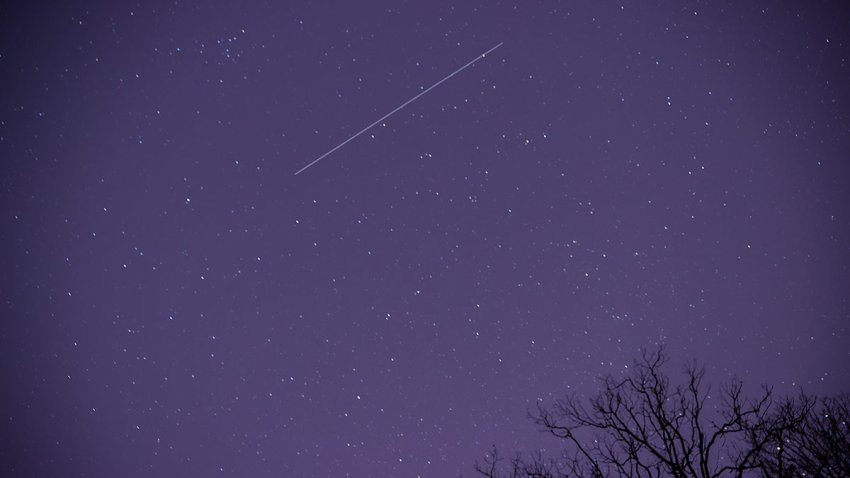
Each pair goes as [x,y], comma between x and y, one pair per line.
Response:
[176,302]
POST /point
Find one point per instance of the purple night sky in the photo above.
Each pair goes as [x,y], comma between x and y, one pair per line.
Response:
[176,302]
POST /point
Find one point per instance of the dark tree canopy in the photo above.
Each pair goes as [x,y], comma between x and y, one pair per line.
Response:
[641,425]
[819,445]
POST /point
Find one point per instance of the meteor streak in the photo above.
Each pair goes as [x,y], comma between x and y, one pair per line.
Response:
[382,118]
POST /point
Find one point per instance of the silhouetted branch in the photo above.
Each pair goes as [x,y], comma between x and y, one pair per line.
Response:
[642,426]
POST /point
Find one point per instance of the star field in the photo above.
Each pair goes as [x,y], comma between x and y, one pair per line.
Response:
[615,176]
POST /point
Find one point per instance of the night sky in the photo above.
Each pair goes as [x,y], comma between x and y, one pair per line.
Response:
[177,302]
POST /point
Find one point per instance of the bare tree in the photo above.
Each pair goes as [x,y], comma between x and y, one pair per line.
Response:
[814,439]
[642,426]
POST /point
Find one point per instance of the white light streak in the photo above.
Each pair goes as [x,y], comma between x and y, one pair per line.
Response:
[382,118]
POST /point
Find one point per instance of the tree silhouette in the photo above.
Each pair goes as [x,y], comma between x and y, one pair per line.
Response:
[818,445]
[642,426]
